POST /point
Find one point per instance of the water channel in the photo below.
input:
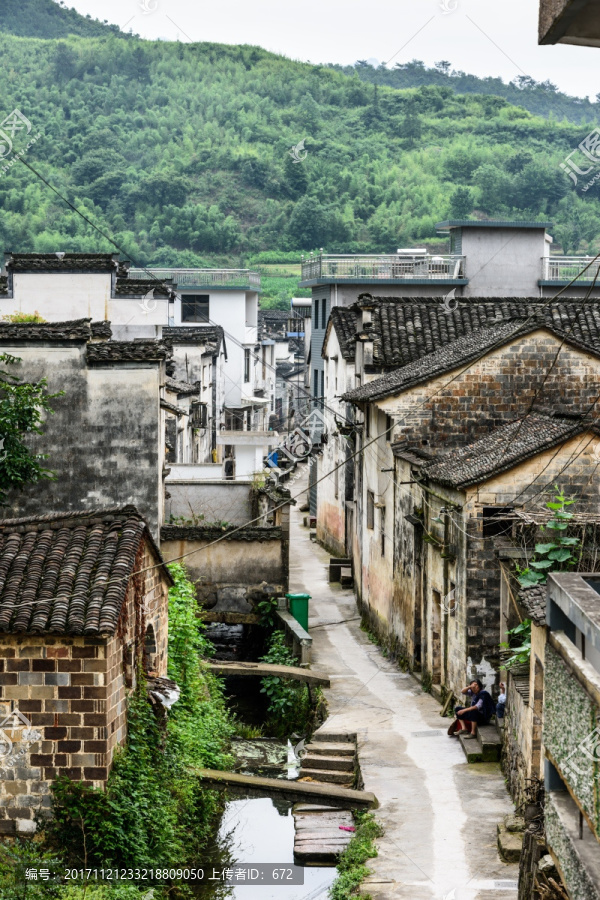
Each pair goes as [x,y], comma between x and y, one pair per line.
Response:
[257,830]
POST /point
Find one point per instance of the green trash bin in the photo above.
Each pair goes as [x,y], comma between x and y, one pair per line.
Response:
[299,608]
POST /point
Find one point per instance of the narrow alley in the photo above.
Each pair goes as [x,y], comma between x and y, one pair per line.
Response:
[439,813]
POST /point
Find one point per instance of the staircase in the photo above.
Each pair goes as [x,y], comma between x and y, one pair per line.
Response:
[330,758]
[485,746]
[322,832]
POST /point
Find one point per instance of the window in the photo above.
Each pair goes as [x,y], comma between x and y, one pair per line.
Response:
[382,522]
[246,366]
[324,314]
[370,509]
[316,383]
[368,421]
[316,313]
[496,520]
[194,308]
[389,428]
[323,384]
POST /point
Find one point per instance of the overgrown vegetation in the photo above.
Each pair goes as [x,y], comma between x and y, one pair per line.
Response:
[153,809]
[22,405]
[559,554]
[21,318]
[519,643]
[352,866]
[289,702]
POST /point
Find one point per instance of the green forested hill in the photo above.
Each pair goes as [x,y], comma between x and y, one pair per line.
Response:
[181,152]
[48,19]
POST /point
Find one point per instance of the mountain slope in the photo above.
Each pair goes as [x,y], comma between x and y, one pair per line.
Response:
[48,19]
[182,153]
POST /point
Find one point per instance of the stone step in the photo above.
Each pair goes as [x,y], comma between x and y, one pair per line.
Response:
[335,737]
[471,748]
[335,763]
[327,776]
[510,844]
[490,743]
[325,748]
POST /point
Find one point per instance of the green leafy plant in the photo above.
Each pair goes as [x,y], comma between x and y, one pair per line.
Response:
[266,610]
[22,406]
[289,704]
[519,642]
[351,867]
[153,809]
[21,318]
[556,555]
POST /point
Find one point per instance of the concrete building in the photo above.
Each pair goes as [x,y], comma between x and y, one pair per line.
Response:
[74,627]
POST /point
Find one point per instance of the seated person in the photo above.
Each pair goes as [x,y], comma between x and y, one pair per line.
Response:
[480,711]
[501,704]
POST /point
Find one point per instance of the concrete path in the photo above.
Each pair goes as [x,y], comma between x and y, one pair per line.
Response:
[439,813]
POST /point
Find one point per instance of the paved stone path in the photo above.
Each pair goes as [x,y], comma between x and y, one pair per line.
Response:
[439,813]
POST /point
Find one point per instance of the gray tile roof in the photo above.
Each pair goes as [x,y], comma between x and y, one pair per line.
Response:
[502,449]
[182,388]
[68,573]
[343,320]
[533,599]
[133,351]
[137,287]
[68,262]
[446,357]
[76,330]
[194,334]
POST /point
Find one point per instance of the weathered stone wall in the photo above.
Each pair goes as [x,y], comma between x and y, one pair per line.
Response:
[465,405]
[577,860]
[570,717]
[230,571]
[221,501]
[104,441]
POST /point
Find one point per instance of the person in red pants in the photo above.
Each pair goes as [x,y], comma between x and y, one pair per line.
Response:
[480,711]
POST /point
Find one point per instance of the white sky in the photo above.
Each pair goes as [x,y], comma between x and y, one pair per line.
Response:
[483,37]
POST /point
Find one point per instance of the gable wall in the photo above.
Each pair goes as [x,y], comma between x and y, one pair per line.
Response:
[456,408]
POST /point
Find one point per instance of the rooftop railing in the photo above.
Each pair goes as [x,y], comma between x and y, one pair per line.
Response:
[386,268]
[566,268]
[203,277]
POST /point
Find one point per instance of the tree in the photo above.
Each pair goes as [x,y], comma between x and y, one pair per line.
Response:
[412,126]
[295,180]
[21,408]
[461,203]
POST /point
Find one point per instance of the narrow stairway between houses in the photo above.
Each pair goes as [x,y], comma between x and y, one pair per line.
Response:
[440,814]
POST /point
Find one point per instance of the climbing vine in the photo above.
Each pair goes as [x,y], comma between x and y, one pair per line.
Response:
[153,811]
[556,555]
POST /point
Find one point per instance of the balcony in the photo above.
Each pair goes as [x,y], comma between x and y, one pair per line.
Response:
[419,269]
[238,279]
[563,269]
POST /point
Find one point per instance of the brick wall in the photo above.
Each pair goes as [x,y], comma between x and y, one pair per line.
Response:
[497,388]
[73,691]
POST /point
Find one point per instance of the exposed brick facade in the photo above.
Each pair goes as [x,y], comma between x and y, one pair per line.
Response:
[73,690]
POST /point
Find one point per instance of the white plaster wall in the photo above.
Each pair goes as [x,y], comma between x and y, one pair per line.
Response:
[60,297]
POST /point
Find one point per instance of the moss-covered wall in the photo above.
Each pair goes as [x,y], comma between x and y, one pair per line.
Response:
[570,718]
[579,881]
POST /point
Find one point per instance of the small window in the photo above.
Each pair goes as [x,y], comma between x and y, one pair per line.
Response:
[382,521]
[497,520]
[316,313]
[370,510]
[316,383]
[389,428]
[368,421]
[195,308]
[246,366]
[324,314]
[150,650]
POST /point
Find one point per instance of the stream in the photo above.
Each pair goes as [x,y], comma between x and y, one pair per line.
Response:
[257,830]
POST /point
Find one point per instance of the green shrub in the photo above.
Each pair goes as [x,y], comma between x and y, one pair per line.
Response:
[351,867]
